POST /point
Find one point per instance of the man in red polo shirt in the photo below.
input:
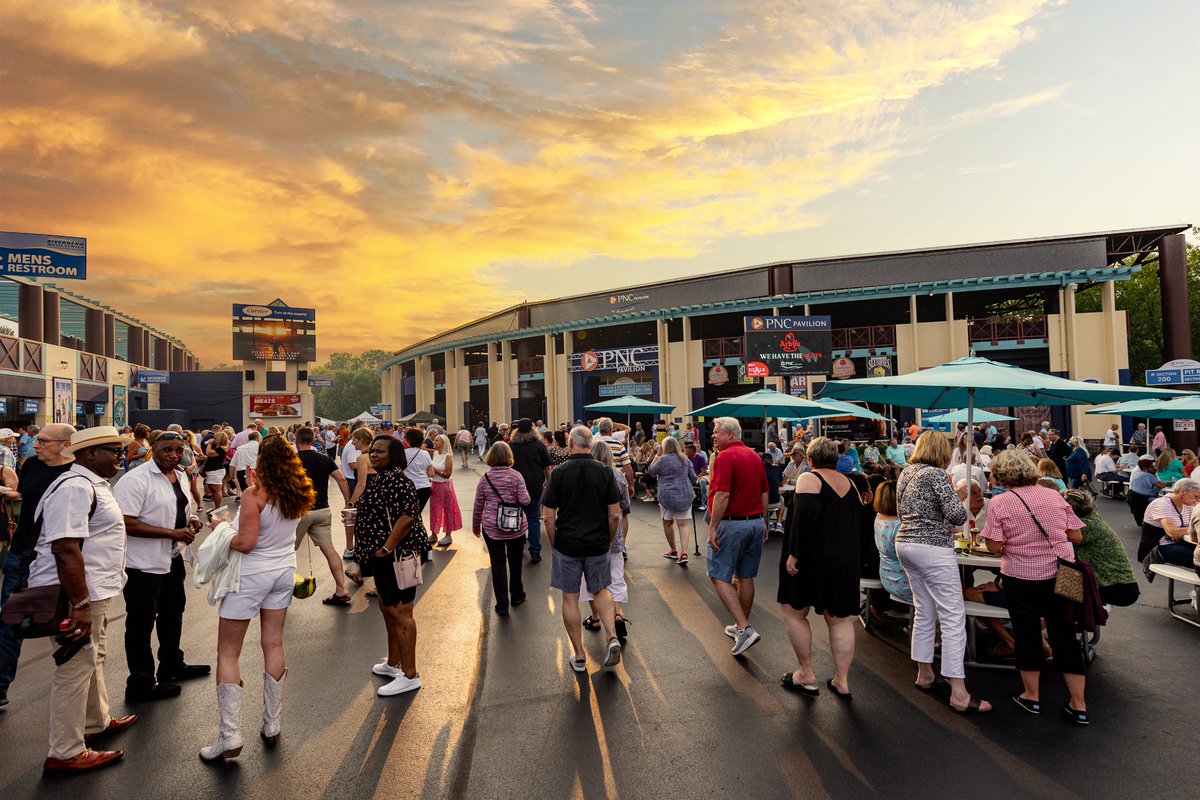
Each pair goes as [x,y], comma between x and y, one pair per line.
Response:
[737,498]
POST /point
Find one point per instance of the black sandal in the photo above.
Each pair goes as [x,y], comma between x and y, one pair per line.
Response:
[591,624]
[337,600]
[806,689]
[972,707]
[622,628]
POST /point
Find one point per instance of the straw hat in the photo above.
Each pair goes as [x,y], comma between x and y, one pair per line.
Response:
[91,437]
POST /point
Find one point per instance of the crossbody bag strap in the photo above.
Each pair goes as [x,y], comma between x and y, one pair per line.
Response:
[1031,516]
[499,496]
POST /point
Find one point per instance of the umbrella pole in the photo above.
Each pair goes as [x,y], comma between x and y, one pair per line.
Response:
[970,458]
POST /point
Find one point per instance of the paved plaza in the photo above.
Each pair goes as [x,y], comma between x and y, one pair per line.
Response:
[500,715]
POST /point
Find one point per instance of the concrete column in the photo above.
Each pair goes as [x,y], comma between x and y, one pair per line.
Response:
[110,335]
[1114,336]
[51,332]
[162,353]
[93,337]
[137,352]
[687,360]
[665,395]
[915,350]
[550,381]
[951,330]
[1173,294]
[454,398]
[509,373]
[147,343]
[496,411]
[177,363]
[30,308]
[1070,345]
[567,391]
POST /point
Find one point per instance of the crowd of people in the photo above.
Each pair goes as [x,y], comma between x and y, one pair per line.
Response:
[137,499]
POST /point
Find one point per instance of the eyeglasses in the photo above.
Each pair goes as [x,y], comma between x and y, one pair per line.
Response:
[116,451]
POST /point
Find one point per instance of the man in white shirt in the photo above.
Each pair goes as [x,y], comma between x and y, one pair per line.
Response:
[1106,468]
[159,521]
[777,456]
[245,458]
[1112,437]
[80,505]
[350,454]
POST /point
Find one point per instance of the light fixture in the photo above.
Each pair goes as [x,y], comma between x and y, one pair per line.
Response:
[62,364]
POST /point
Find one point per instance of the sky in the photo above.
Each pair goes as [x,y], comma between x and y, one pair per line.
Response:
[407,167]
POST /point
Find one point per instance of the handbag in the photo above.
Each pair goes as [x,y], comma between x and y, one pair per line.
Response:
[509,516]
[36,611]
[304,587]
[408,572]
[1068,577]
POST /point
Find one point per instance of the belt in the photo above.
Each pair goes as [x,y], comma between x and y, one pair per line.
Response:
[747,516]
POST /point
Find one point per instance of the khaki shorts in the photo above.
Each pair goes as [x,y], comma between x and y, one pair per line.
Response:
[317,525]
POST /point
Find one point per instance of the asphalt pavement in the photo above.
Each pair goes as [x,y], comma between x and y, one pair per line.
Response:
[501,715]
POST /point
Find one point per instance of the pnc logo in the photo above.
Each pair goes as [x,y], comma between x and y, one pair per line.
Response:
[589,360]
[757,323]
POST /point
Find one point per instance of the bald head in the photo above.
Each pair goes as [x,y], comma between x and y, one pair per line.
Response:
[50,442]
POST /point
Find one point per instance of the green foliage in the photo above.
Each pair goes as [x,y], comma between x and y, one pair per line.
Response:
[355,384]
[1139,297]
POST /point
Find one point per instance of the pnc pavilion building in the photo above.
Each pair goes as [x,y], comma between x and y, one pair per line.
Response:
[681,342]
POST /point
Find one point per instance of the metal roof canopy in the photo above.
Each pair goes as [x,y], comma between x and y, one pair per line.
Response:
[976,263]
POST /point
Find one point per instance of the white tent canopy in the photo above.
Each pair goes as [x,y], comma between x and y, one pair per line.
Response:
[368,418]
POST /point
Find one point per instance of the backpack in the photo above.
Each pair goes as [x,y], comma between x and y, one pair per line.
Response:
[509,516]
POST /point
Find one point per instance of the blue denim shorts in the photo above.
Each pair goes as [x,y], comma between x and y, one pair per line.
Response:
[567,572]
[741,542]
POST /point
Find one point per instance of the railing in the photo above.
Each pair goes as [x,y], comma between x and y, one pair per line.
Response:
[724,347]
[1006,329]
[20,355]
[439,377]
[477,372]
[871,337]
[530,366]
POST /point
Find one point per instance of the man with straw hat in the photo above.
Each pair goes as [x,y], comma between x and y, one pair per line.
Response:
[80,505]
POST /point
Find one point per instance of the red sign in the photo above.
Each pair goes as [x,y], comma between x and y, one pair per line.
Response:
[589,360]
[718,375]
[275,405]
[757,369]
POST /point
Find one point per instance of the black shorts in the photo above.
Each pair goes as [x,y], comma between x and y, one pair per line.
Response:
[390,594]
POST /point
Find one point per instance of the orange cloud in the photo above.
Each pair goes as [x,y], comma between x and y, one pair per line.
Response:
[384,162]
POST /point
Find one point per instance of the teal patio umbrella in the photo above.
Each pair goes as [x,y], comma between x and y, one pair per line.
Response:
[629,405]
[961,416]
[1187,407]
[974,381]
[770,403]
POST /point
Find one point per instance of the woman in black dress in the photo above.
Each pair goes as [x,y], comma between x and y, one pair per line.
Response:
[819,568]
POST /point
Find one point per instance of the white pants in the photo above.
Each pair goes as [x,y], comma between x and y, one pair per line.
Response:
[937,596]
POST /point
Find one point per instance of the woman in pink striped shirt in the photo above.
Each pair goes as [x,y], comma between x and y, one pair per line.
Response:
[1031,527]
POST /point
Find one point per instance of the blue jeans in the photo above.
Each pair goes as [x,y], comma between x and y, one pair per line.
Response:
[10,645]
[533,513]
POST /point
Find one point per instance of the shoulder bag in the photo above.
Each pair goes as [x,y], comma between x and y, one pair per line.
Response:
[509,516]
[1068,577]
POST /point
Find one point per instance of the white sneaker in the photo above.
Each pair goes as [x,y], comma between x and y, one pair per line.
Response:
[348,554]
[577,664]
[731,631]
[445,541]
[399,685]
[747,637]
[613,657]
[386,670]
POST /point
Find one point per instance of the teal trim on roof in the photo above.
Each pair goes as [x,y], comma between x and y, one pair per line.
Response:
[1061,278]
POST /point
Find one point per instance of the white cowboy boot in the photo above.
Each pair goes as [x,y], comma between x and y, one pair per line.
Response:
[229,741]
[272,706]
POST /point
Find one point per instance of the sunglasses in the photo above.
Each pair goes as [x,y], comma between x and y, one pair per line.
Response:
[116,451]
[165,435]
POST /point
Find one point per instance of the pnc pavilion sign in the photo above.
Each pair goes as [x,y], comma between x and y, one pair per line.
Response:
[624,359]
[788,345]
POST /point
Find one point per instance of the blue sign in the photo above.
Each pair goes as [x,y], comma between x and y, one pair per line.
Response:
[374,411]
[30,406]
[148,376]
[1164,377]
[622,389]
[79,409]
[99,409]
[38,255]
[3,406]
[384,406]
[271,312]
[320,380]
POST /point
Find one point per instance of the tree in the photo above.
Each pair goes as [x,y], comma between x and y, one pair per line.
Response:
[1139,297]
[355,384]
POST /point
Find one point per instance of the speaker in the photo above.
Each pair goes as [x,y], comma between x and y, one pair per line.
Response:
[249,374]
[301,374]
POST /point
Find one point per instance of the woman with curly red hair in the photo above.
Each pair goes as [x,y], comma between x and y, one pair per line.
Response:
[266,538]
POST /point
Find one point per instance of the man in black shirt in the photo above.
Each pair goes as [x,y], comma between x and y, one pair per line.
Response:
[581,509]
[318,522]
[532,460]
[36,476]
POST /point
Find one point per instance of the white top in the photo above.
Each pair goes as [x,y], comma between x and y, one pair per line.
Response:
[246,456]
[1110,438]
[350,454]
[276,545]
[439,464]
[65,516]
[1128,461]
[146,492]
[1104,463]
[418,463]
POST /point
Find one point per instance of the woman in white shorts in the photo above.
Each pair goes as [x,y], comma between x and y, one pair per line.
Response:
[214,467]
[616,557]
[266,537]
[675,476]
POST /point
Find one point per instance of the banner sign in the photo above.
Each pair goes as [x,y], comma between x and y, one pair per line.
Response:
[274,333]
[99,409]
[148,376]
[30,406]
[37,255]
[320,380]
[798,386]
[3,406]
[63,401]
[385,406]
[788,345]
[275,405]
[1184,424]
[626,359]
[1179,372]
[622,389]
[119,407]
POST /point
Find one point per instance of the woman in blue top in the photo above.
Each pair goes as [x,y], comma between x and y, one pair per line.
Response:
[1079,465]
[852,451]
[887,522]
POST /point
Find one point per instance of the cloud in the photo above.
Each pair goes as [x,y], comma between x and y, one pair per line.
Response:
[1009,107]
[390,163]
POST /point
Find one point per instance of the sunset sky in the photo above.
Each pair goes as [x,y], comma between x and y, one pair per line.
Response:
[405,167]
